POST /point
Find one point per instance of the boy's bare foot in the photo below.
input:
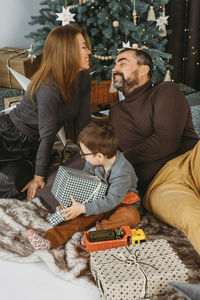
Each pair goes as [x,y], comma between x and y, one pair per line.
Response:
[38,242]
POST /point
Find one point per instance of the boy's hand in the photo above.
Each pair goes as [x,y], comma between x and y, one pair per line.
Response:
[59,207]
[73,211]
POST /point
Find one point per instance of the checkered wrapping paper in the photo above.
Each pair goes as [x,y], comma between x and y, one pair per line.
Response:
[83,186]
[55,218]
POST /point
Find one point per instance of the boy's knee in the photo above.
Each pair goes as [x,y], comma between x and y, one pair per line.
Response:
[133,216]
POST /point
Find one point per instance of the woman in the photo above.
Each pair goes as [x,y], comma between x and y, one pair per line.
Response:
[59,92]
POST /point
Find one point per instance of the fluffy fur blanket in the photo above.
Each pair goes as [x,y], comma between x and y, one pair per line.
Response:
[71,261]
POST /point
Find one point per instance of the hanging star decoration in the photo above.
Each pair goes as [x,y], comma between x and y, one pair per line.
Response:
[66,16]
[31,55]
[162,21]
[126,45]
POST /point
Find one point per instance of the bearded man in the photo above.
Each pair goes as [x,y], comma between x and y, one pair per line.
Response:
[155,131]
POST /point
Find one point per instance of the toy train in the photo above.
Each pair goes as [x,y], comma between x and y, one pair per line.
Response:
[113,238]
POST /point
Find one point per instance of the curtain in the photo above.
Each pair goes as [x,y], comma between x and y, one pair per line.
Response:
[184,41]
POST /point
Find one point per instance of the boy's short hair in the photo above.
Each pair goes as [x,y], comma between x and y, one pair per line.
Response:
[99,137]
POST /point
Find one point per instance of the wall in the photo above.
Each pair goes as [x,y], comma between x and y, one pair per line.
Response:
[14,18]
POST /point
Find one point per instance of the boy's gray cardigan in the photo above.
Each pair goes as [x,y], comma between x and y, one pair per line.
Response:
[121,179]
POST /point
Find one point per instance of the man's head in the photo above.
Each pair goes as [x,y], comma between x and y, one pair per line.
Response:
[132,69]
[97,140]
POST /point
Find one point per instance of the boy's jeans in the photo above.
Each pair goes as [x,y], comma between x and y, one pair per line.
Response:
[122,215]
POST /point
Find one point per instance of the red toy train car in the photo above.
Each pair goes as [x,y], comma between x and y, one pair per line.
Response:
[113,238]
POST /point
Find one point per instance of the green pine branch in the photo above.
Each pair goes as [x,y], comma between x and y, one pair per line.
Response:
[97,18]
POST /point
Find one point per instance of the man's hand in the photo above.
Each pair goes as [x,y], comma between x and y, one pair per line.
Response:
[32,186]
[73,211]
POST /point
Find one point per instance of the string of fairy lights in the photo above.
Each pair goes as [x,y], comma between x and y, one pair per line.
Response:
[188,36]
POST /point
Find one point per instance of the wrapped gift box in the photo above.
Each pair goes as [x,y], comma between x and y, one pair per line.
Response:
[83,186]
[137,271]
[19,61]
[7,93]
[12,101]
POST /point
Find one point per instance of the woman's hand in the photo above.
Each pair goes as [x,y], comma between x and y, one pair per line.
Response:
[73,211]
[32,186]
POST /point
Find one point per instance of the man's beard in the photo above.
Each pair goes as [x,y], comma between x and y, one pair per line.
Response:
[126,85]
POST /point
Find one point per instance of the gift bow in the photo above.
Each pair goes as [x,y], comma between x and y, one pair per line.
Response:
[132,260]
[17,52]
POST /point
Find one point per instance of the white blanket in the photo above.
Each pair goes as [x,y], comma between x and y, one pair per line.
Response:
[70,261]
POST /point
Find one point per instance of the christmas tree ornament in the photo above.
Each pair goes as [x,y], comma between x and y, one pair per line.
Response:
[112,89]
[162,22]
[167,76]
[151,14]
[135,17]
[116,23]
[126,45]
[66,16]
[135,46]
[134,14]
[31,54]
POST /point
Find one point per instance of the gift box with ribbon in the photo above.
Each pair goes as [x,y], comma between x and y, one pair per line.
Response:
[84,187]
[19,61]
[12,101]
[137,271]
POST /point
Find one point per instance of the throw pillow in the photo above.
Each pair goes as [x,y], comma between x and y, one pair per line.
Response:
[188,290]
[195,110]
[193,98]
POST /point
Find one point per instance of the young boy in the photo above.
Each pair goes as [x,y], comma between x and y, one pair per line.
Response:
[119,207]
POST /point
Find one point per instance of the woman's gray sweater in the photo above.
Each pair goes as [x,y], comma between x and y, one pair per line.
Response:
[43,119]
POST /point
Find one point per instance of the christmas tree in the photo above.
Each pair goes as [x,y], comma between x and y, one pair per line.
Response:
[111,25]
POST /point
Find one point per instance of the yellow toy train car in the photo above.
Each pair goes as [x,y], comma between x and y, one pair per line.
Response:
[137,237]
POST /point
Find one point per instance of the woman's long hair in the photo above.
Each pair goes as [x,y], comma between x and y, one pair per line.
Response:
[60,64]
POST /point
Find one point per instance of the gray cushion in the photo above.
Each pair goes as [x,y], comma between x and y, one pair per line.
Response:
[193,99]
[185,89]
[188,290]
[195,110]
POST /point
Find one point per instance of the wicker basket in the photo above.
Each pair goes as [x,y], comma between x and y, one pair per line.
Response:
[100,94]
